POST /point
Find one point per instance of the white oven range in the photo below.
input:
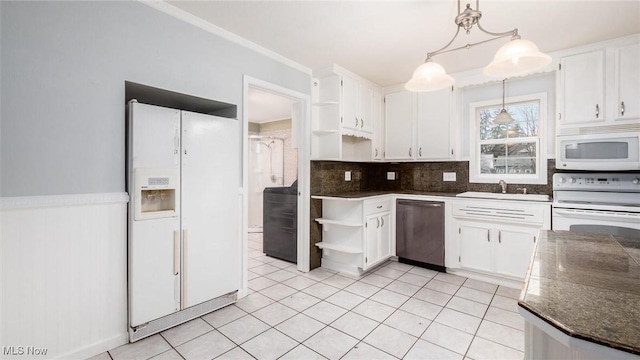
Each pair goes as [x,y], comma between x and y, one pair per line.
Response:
[604,203]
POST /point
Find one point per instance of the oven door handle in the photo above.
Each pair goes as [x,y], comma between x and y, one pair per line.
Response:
[596,214]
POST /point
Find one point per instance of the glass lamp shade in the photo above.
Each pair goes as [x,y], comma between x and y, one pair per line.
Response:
[503,118]
[515,58]
[429,76]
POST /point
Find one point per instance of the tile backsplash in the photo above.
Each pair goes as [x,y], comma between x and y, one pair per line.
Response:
[327,177]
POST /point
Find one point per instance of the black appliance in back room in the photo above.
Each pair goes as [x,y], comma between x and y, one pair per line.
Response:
[280,220]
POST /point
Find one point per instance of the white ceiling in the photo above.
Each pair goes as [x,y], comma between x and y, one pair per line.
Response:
[266,107]
[384,41]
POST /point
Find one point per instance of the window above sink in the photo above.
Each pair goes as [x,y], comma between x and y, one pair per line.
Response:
[513,152]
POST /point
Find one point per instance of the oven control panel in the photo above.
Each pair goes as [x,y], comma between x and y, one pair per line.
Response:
[597,181]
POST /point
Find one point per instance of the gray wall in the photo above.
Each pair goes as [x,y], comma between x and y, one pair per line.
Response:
[63,68]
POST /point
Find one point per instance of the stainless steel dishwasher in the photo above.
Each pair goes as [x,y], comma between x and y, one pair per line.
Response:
[420,233]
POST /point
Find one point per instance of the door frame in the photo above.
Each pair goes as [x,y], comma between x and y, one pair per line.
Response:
[303,133]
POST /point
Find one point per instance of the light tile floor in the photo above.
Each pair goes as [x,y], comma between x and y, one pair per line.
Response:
[396,312]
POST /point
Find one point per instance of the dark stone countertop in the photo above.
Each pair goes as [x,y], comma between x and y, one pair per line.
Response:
[587,286]
[364,194]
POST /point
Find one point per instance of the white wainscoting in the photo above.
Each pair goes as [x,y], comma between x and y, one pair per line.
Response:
[63,270]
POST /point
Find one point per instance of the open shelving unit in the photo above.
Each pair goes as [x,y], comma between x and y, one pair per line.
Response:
[325,119]
[343,231]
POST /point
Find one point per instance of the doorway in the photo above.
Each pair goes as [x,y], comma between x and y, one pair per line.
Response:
[275,180]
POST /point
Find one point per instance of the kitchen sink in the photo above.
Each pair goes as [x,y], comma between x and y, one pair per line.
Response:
[500,196]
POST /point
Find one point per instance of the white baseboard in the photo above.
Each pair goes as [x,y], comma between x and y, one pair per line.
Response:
[97,348]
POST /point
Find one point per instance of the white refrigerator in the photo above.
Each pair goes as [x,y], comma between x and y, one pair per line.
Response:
[184,176]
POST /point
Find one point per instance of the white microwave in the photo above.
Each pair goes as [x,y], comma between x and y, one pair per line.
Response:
[599,152]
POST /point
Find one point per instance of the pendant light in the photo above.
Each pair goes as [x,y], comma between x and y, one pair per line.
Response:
[429,76]
[515,58]
[503,117]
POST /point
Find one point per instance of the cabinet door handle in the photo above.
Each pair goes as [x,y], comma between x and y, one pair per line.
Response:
[488,236]
[356,122]
[376,153]
[534,239]
[379,206]
[499,237]
[382,222]
[378,220]
[420,151]
[597,111]
[622,108]
[410,152]
[361,123]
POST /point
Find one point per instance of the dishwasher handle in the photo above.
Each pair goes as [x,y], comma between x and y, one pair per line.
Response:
[420,203]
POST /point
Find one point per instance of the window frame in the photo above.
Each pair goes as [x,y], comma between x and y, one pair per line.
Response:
[540,177]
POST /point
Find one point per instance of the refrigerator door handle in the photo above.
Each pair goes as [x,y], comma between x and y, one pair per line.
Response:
[185,273]
[176,142]
[176,252]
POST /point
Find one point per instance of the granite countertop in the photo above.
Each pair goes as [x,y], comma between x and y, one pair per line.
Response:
[364,194]
[587,286]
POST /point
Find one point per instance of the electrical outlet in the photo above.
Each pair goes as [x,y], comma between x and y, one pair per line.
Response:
[347,176]
[391,175]
[448,176]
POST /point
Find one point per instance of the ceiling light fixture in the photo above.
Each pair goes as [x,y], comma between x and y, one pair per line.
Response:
[503,117]
[517,57]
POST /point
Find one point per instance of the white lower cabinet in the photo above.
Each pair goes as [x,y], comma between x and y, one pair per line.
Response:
[514,249]
[475,245]
[497,237]
[356,233]
[503,250]
[377,239]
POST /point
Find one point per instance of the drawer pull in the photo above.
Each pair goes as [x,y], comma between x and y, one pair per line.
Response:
[379,206]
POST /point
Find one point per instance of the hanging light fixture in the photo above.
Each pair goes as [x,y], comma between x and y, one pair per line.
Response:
[503,117]
[517,57]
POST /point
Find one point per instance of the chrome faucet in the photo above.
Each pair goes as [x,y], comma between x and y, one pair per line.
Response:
[503,185]
[524,190]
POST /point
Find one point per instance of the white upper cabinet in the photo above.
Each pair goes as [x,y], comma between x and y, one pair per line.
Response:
[419,126]
[399,122]
[600,87]
[627,82]
[378,127]
[350,110]
[344,116]
[434,125]
[357,107]
[582,90]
